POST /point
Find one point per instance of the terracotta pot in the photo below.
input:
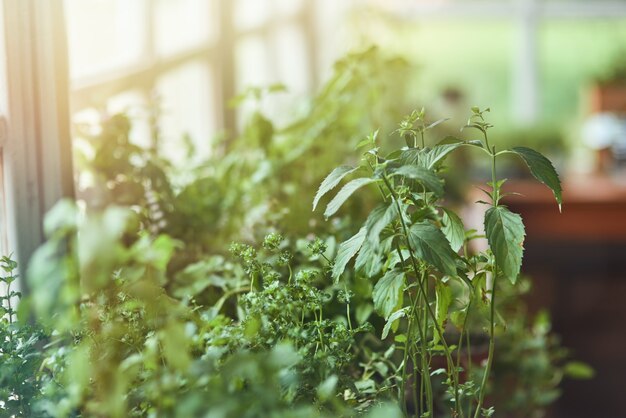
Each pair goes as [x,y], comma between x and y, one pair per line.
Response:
[609,97]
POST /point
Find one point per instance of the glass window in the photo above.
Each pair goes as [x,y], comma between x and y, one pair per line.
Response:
[134,104]
[250,14]
[104,34]
[572,53]
[253,63]
[292,58]
[288,7]
[184,24]
[187,110]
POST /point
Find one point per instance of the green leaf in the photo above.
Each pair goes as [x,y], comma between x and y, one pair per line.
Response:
[344,194]
[377,226]
[427,177]
[392,319]
[387,293]
[443,294]
[331,181]
[505,234]
[578,370]
[458,318]
[453,229]
[346,251]
[368,261]
[438,153]
[326,389]
[431,245]
[542,169]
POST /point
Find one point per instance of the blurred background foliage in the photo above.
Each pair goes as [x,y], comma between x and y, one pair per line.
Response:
[195,185]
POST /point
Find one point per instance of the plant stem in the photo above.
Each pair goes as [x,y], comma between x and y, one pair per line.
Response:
[483,385]
[451,369]
[425,371]
[348,316]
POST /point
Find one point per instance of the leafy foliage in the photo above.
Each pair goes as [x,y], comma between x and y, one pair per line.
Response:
[20,350]
[505,233]
[423,241]
[542,169]
[147,313]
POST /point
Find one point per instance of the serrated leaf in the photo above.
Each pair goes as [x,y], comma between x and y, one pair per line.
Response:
[505,234]
[387,294]
[443,294]
[438,153]
[392,319]
[377,225]
[331,181]
[427,177]
[346,251]
[453,229]
[345,193]
[368,261]
[431,245]
[542,169]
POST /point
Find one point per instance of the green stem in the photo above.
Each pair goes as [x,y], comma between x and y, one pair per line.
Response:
[483,385]
[425,359]
[348,316]
[425,370]
[451,369]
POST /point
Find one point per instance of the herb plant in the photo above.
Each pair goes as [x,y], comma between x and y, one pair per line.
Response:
[20,350]
[430,285]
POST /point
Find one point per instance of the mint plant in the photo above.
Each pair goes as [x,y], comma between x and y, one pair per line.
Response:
[430,285]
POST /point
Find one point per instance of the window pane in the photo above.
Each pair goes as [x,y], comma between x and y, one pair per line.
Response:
[188,109]
[183,24]
[250,14]
[288,7]
[253,64]
[104,34]
[292,59]
[572,53]
[133,104]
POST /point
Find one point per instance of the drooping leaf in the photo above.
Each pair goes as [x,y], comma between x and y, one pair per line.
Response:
[387,293]
[331,181]
[368,261]
[345,193]
[387,216]
[346,251]
[394,258]
[433,157]
[438,153]
[458,318]
[443,294]
[427,177]
[392,320]
[431,245]
[542,169]
[453,229]
[505,234]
